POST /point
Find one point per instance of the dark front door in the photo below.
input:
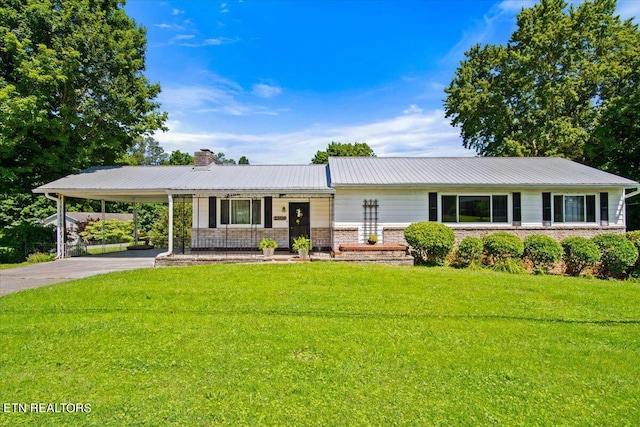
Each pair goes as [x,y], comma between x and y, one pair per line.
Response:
[299,221]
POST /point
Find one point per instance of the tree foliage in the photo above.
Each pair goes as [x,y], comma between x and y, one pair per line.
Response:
[177,157]
[72,89]
[565,73]
[338,149]
[145,151]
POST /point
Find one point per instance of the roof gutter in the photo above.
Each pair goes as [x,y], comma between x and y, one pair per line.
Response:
[633,193]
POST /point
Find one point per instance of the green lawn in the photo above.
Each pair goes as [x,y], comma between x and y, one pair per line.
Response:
[324,344]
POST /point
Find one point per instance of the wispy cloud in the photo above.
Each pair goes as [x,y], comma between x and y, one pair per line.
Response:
[224,8]
[177,12]
[217,41]
[166,26]
[494,24]
[413,109]
[420,134]
[264,90]
[184,37]
[222,97]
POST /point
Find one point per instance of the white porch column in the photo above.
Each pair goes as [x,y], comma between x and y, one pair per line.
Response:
[62,215]
[59,229]
[170,231]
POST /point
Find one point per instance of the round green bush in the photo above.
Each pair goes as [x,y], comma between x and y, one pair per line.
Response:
[501,246]
[543,251]
[579,253]
[617,253]
[634,237]
[430,242]
[469,252]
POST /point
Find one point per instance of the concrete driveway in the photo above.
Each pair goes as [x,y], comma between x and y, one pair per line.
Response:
[36,275]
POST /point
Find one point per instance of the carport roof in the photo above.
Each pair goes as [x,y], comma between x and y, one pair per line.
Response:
[153,183]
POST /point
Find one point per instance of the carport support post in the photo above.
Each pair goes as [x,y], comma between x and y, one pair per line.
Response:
[59,229]
[170,231]
[135,223]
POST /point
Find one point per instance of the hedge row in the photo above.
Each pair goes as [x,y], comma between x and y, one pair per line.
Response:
[607,255]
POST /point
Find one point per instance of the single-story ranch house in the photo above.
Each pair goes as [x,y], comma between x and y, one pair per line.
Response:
[352,198]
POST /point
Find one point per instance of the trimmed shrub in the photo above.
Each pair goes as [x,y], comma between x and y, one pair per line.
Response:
[430,242]
[39,257]
[579,253]
[502,246]
[510,265]
[543,252]
[469,252]
[617,254]
[634,237]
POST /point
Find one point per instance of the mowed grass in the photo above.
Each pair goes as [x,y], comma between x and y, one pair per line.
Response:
[324,344]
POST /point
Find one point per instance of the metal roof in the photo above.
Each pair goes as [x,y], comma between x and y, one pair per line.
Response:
[152,181]
[465,171]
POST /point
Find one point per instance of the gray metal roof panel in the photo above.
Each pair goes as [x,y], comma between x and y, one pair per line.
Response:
[504,171]
[161,178]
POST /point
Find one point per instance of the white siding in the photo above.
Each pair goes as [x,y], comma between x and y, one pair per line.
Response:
[395,206]
[400,207]
[201,212]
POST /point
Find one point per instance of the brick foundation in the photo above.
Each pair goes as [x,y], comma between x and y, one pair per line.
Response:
[246,238]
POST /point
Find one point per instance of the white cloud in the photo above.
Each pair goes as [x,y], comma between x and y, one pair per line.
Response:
[266,91]
[221,97]
[413,109]
[184,37]
[177,12]
[166,26]
[210,42]
[421,134]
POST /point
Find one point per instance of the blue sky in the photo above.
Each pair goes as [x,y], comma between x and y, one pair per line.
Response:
[277,81]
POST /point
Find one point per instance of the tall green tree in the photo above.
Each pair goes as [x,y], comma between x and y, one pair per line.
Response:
[145,151]
[243,160]
[72,88]
[177,157]
[338,149]
[546,92]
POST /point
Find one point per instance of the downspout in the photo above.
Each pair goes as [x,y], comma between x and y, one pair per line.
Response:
[59,232]
[170,230]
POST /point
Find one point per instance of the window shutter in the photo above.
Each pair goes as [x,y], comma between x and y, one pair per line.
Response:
[224,211]
[517,209]
[268,212]
[212,212]
[546,208]
[433,206]
[604,208]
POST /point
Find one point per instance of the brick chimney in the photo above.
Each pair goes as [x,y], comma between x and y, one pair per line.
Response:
[204,157]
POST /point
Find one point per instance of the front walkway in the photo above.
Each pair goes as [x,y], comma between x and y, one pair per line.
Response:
[37,275]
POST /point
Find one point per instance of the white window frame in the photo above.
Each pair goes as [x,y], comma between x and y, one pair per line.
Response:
[490,195]
[584,195]
[250,225]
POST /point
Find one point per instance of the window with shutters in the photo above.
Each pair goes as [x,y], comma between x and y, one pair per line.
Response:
[240,212]
[474,208]
[574,208]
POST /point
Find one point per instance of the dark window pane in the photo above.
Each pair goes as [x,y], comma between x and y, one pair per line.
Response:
[574,208]
[240,211]
[591,208]
[256,212]
[474,209]
[449,213]
[224,212]
[499,208]
[557,209]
